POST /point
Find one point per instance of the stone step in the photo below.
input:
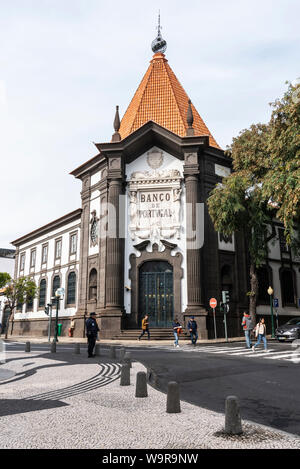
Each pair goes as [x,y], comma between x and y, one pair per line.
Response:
[155,333]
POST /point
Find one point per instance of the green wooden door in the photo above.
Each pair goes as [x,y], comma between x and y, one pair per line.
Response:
[156,293]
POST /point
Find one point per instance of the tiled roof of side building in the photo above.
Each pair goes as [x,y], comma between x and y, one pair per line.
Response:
[161,98]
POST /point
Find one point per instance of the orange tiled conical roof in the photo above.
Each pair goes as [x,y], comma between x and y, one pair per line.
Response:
[161,98]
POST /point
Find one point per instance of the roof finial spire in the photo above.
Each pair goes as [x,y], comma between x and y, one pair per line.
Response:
[116,136]
[159,44]
[190,120]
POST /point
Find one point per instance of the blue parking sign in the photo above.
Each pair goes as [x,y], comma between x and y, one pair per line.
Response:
[276,303]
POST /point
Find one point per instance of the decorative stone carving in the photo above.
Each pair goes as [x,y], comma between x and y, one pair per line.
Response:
[191,158]
[94,230]
[155,158]
[115,163]
[155,205]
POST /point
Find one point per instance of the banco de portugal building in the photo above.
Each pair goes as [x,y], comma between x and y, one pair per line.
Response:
[131,248]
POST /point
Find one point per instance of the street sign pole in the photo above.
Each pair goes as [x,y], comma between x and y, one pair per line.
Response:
[50,319]
[215,327]
[213,303]
[226,307]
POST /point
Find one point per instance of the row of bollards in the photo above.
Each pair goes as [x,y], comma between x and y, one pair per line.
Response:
[233,422]
[112,350]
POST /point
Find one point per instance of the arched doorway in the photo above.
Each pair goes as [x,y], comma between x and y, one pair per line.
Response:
[156,296]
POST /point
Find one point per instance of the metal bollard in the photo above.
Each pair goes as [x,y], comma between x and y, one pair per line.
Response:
[233,423]
[173,398]
[125,375]
[77,349]
[112,352]
[53,347]
[121,353]
[127,359]
[97,350]
[141,385]
[27,347]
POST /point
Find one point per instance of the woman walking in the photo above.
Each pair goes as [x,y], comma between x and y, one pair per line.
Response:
[176,331]
[260,333]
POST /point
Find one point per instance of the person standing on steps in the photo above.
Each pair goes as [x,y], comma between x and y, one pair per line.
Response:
[92,330]
[145,327]
[177,328]
[247,328]
[260,333]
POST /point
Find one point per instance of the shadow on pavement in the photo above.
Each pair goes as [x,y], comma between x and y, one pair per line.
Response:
[20,406]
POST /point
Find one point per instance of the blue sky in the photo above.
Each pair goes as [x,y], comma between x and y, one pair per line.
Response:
[65,64]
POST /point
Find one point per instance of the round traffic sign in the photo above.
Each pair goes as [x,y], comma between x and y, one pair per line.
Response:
[213,303]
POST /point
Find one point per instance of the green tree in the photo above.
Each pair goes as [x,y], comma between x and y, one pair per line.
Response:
[239,204]
[5,278]
[282,180]
[20,291]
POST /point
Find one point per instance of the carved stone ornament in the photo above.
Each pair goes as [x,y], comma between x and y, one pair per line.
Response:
[115,163]
[155,205]
[191,158]
[155,158]
[94,235]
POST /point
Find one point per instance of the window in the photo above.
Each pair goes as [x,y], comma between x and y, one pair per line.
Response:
[55,286]
[29,305]
[264,281]
[71,288]
[44,253]
[22,262]
[73,243]
[93,285]
[43,291]
[32,258]
[58,249]
[287,287]
[282,241]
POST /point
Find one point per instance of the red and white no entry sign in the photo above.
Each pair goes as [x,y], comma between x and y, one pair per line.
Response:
[213,303]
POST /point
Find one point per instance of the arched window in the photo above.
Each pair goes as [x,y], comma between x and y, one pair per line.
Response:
[55,286]
[71,288]
[43,292]
[264,281]
[29,303]
[287,287]
[93,285]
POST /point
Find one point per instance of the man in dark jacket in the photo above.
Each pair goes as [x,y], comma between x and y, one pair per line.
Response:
[92,330]
[192,328]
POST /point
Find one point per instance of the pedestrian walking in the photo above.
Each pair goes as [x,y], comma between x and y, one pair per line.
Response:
[260,334]
[247,327]
[177,328]
[145,327]
[92,330]
[72,327]
[192,328]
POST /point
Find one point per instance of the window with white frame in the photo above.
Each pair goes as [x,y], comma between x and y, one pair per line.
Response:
[73,243]
[44,253]
[22,262]
[32,258]
[58,244]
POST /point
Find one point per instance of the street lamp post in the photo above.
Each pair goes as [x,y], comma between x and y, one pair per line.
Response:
[59,294]
[270,292]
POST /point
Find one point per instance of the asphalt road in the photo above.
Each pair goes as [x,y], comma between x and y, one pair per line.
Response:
[269,390]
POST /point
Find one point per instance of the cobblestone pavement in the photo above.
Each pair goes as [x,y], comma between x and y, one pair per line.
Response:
[64,400]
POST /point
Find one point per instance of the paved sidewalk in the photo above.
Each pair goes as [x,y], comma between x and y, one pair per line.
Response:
[136,343]
[65,400]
